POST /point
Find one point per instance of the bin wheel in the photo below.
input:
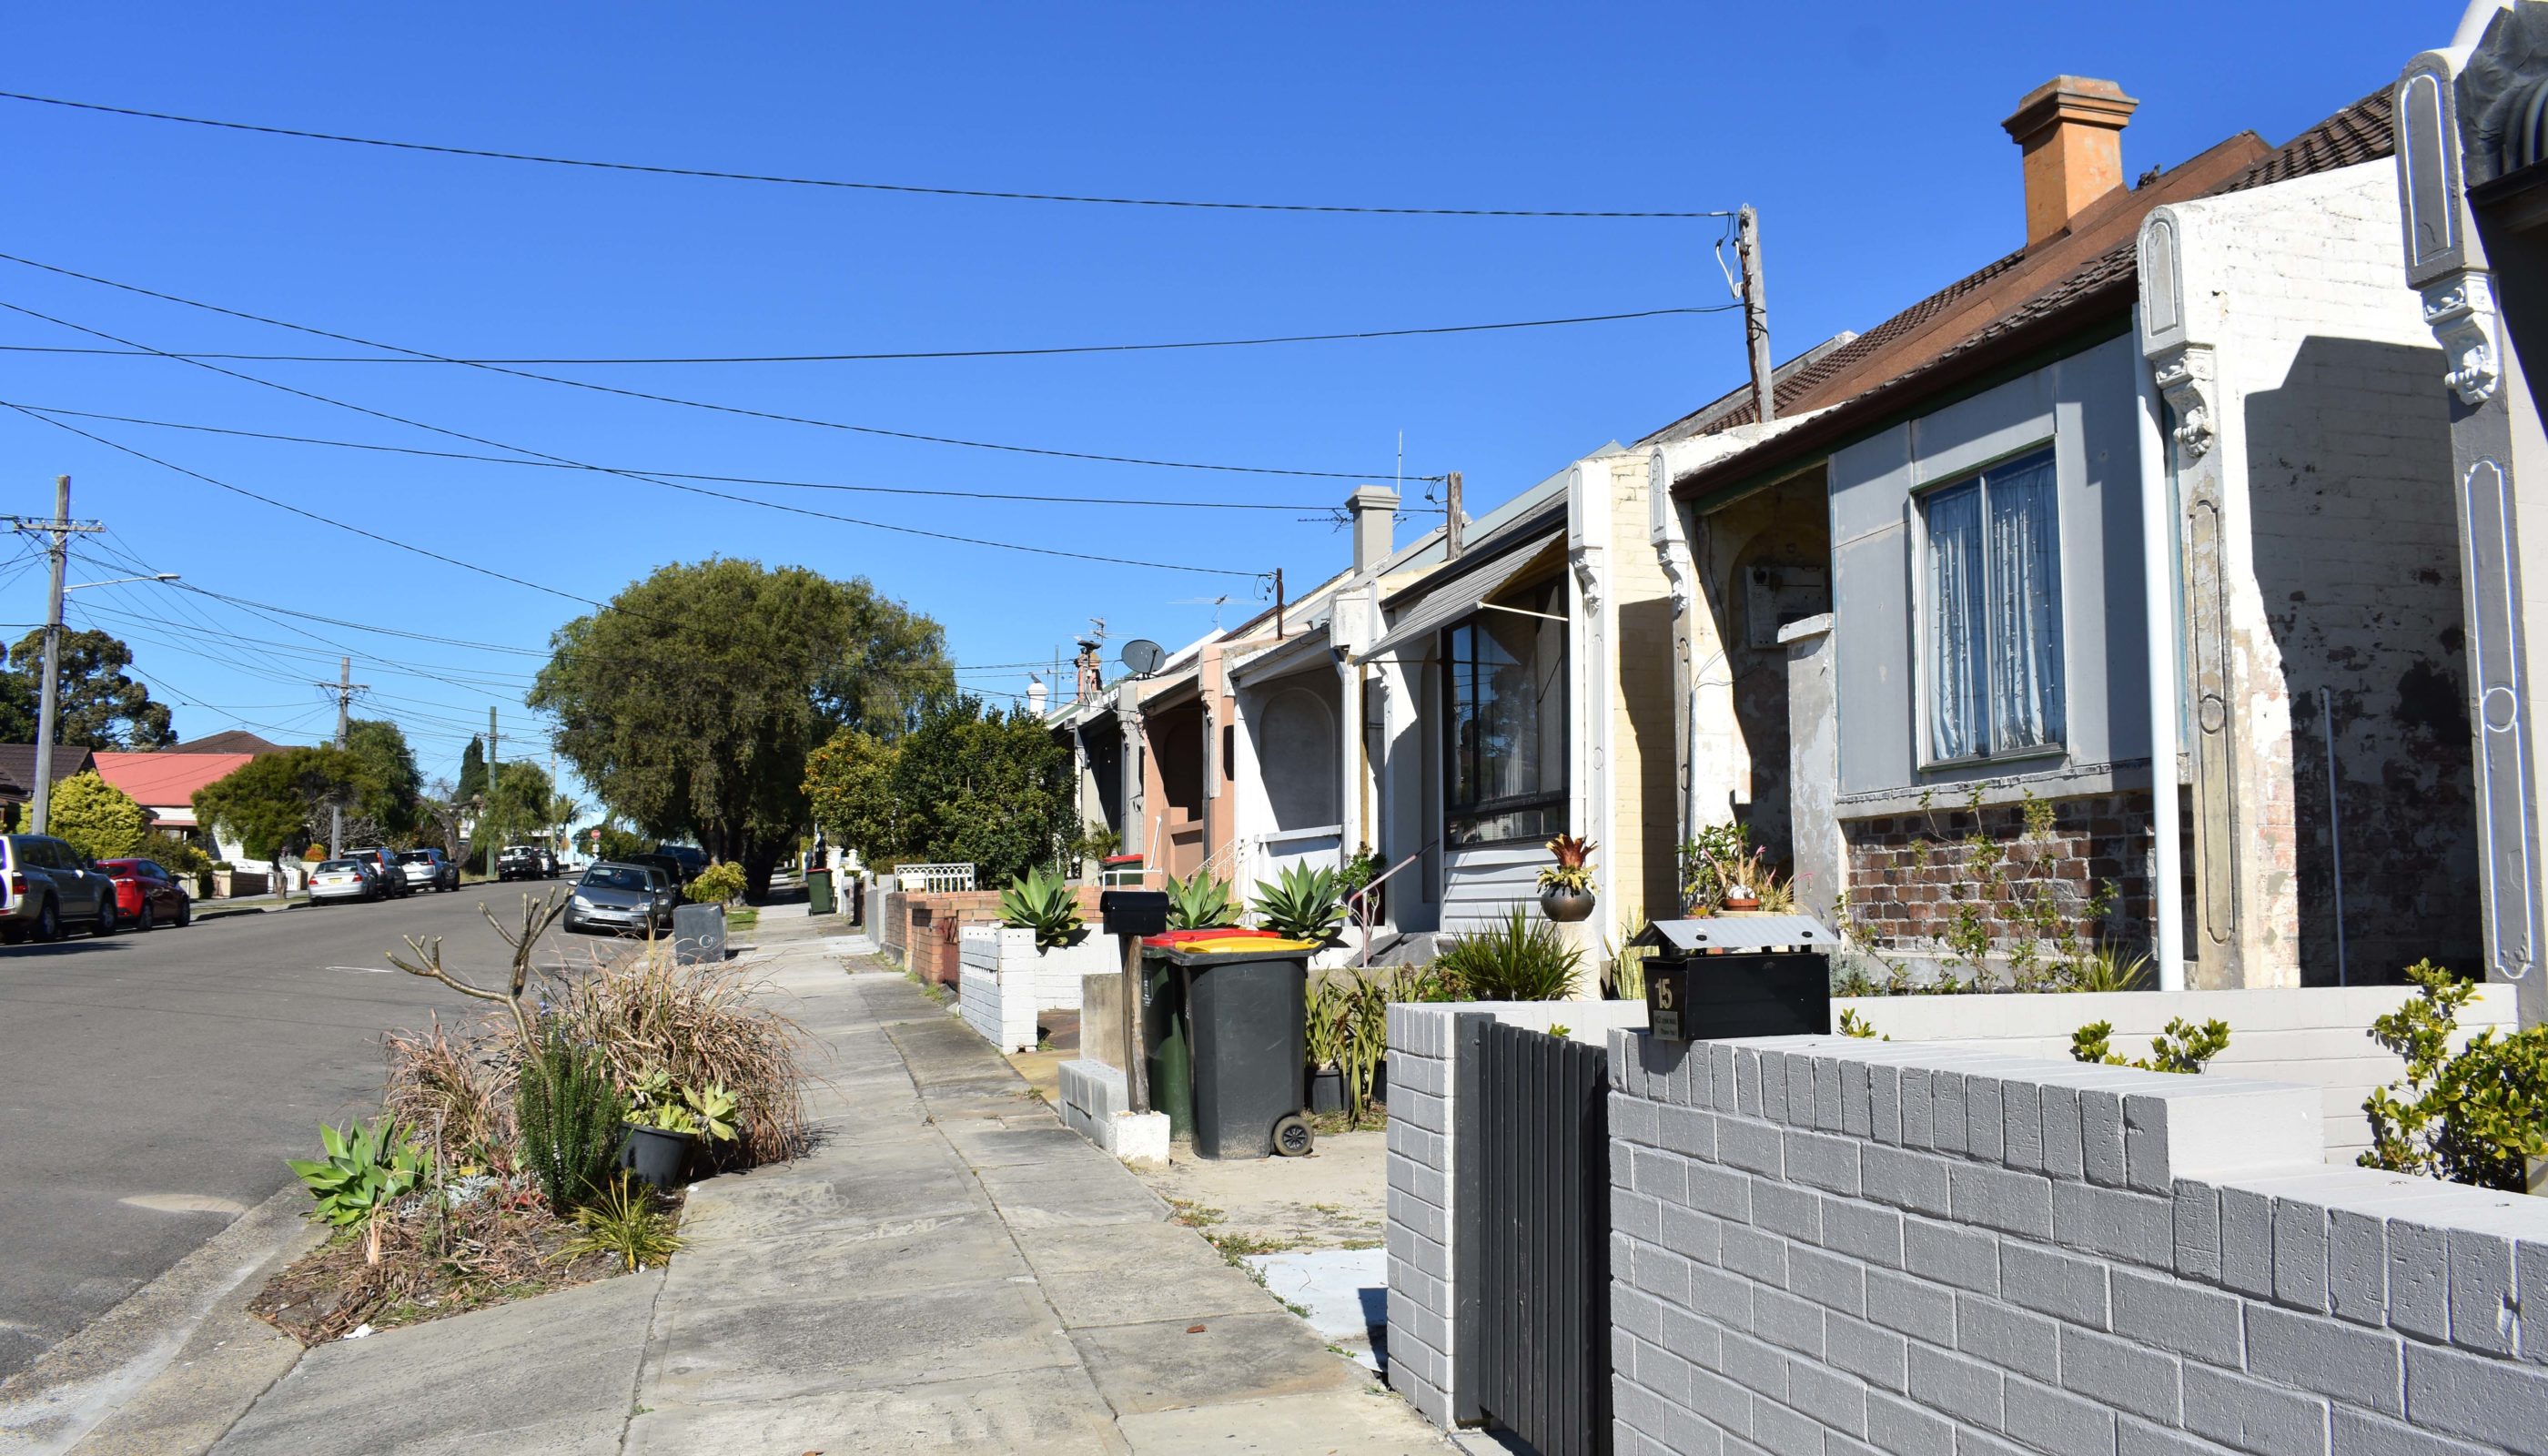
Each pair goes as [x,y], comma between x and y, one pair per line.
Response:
[1292,1136]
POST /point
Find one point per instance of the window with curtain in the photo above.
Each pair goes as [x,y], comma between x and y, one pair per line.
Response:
[1505,759]
[1993,584]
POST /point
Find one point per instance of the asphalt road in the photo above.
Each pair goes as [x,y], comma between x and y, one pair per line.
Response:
[151,1085]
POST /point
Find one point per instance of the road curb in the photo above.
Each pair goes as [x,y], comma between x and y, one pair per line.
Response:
[175,1365]
[231,912]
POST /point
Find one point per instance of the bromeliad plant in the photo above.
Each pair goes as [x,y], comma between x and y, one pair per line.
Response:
[1573,868]
[367,1170]
[1044,902]
[1201,902]
[1305,903]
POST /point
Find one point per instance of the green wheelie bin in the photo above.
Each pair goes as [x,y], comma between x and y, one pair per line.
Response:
[1245,1022]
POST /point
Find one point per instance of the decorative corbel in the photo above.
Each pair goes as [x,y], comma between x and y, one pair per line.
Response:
[2460,309]
[2184,380]
[1586,561]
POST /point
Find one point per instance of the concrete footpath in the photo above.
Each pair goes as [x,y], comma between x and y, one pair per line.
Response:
[948,1270]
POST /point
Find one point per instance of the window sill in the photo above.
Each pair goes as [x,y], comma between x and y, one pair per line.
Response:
[1994,760]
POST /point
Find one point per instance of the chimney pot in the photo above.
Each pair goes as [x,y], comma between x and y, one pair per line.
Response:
[1374,509]
[2070,129]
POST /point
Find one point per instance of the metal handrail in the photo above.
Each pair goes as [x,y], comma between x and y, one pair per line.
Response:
[1360,901]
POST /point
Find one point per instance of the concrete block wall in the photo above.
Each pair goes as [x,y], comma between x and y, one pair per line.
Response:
[1000,1007]
[1421,1236]
[2315,1036]
[1823,1244]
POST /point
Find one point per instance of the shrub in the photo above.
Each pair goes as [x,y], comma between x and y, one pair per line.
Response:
[570,1112]
[179,857]
[1044,902]
[2182,1046]
[1519,959]
[98,819]
[2475,1116]
[698,1026]
[1200,902]
[719,884]
[1304,903]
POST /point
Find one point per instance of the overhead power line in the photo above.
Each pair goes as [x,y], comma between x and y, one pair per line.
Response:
[713,174]
[1215,571]
[904,354]
[744,412]
[679,475]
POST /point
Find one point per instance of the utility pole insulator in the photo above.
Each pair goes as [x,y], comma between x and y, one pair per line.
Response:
[1756,311]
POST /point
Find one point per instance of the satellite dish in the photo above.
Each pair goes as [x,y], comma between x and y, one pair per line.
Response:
[1142,656]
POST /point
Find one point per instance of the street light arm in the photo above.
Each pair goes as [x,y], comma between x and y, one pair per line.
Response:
[120,581]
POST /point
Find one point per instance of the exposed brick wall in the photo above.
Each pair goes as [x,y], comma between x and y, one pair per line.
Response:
[1908,879]
[1822,1245]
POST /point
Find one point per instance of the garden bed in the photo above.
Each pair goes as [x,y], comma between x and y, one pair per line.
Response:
[498,1245]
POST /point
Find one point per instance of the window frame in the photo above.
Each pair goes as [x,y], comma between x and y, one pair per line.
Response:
[1456,811]
[1926,611]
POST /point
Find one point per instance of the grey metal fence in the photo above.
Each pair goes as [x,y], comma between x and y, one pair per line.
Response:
[1538,1148]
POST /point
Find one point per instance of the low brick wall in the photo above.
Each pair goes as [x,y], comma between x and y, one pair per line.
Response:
[921,929]
[1905,870]
[1828,1244]
[1422,1231]
[2317,1036]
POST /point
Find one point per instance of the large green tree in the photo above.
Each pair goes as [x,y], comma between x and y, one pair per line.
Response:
[690,702]
[390,765]
[473,773]
[100,707]
[968,785]
[275,805]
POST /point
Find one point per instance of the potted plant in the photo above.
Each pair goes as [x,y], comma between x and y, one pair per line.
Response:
[1356,878]
[1327,1013]
[668,1124]
[1566,887]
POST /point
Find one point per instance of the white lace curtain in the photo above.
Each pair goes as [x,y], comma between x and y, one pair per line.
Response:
[1995,613]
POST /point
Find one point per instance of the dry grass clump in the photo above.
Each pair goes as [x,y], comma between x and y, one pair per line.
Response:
[458,1095]
[699,1024]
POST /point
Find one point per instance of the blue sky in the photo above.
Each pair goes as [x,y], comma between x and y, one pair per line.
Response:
[1868,134]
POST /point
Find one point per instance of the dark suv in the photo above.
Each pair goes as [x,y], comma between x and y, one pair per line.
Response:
[385,865]
[523,862]
[46,883]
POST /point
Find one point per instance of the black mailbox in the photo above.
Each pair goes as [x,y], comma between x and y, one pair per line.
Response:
[1737,975]
[1134,912]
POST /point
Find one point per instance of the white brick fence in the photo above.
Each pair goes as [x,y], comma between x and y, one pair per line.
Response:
[1822,1245]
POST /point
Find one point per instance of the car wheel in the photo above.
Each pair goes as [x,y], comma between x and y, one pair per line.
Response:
[48,921]
[185,912]
[105,924]
[147,922]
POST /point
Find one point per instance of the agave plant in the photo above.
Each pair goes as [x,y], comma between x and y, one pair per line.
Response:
[1305,902]
[1044,902]
[1201,902]
[367,1170]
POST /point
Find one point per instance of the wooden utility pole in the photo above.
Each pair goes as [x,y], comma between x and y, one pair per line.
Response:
[344,687]
[1755,310]
[1452,527]
[487,798]
[1137,1067]
[48,708]
[1278,606]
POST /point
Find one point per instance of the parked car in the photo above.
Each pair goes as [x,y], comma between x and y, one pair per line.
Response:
[384,867]
[429,869]
[659,860]
[348,879]
[692,860]
[621,897]
[524,861]
[49,884]
[147,896]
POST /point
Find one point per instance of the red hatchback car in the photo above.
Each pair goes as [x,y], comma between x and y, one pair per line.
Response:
[146,895]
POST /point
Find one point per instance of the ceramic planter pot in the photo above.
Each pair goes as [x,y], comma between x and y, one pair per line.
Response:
[1741,904]
[1566,906]
[659,1155]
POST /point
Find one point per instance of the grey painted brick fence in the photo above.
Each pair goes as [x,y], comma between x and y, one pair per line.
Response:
[1822,1245]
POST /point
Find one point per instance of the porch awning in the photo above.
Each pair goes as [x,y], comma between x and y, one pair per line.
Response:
[1457,599]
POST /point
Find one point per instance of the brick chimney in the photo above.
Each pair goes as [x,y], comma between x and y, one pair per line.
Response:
[2072,130]
[1374,509]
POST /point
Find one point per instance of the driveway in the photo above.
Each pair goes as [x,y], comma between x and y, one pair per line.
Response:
[154,1083]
